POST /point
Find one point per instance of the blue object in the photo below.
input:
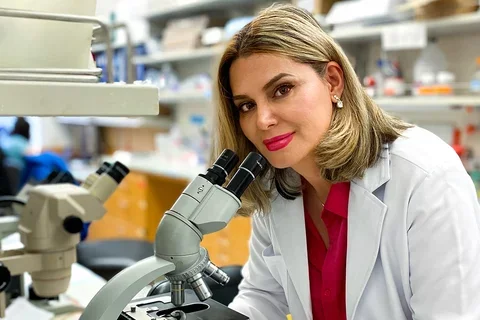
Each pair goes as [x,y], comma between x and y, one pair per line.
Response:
[38,167]
[84,232]
[140,50]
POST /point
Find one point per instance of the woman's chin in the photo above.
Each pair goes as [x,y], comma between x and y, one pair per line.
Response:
[280,163]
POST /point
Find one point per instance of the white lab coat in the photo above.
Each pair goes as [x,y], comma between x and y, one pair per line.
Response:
[413,243]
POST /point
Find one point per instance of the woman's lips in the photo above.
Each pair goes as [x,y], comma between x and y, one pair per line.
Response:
[278,142]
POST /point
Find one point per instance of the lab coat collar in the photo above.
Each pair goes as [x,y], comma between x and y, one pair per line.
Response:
[378,174]
[365,223]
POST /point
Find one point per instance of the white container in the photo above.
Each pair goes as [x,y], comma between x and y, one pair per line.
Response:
[31,43]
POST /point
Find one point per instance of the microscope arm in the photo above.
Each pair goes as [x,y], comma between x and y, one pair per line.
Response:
[19,262]
[110,301]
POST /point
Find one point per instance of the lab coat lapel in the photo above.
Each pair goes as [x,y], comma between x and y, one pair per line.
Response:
[289,225]
[366,213]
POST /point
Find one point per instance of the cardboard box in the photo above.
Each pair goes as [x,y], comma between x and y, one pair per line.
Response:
[315,6]
[432,9]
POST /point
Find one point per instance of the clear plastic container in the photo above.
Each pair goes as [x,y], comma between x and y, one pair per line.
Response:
[475,82]
[431,61]
[198,137]
[165,79]
[168,78]
[429,65]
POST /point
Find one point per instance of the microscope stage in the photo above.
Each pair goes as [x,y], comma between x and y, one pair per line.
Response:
[155,307]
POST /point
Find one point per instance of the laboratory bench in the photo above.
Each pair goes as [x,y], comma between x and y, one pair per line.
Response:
[149,190]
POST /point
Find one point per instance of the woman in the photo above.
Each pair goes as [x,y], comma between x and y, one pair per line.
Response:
[359,215]
[17,143]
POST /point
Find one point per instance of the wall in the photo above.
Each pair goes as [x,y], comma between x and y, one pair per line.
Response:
[46,133]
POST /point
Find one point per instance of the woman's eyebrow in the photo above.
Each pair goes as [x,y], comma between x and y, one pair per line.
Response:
[265,87]
[275,79]
[240,97]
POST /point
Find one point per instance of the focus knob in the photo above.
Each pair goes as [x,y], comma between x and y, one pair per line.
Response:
[73,224]
[5,277]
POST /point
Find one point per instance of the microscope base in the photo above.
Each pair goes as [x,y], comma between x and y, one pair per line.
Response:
[57,307]
[155,307]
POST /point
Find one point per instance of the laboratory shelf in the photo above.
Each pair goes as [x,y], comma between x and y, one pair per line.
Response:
[175,56]
[427,103]
[101,47]
[196,7]
[32,98]
[460,24]
[119,122]
[170,98]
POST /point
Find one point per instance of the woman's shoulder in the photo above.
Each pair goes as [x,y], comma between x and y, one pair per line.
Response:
[424,150]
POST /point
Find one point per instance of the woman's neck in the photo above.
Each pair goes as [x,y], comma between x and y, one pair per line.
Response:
[312,179]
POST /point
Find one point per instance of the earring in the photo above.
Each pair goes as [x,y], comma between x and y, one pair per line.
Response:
[339,101]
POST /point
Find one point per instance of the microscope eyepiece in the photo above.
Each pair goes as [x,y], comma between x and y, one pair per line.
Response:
[222,167]
[118,171]
[250,168]
[59,177]
[103,168]
[255,163]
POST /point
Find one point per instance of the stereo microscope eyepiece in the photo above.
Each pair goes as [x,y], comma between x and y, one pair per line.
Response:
[90,180]
[118,171]
[222,167]
[250,168]
[103,187]
[103,168]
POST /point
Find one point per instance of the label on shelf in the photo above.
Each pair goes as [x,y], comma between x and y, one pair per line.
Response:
[404,36]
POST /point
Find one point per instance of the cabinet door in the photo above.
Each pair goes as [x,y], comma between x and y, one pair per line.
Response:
[229,246]
[238,235]
[111,227]
[127,212]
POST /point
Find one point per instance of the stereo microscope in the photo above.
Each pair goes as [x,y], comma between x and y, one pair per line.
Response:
[50,223]
[204,207]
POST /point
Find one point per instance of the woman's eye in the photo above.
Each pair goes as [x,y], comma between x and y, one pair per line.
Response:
[244,107]
[283,90]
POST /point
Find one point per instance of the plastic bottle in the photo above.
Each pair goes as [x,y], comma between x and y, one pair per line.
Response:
[379,77]
[198,137]
[168,78]
[475,82]
[431,61]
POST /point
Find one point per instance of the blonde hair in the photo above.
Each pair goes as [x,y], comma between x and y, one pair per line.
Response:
[357,132]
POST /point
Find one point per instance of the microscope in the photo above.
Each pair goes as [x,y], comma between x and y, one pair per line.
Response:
[204,207]
[50,223]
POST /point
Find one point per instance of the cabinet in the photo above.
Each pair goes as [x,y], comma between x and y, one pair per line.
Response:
[127,211]
[137,206]
[230,245]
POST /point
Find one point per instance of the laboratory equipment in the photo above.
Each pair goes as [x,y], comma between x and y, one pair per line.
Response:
[475,82]
[36,88]
[50,224]
[204,207]
[160,308]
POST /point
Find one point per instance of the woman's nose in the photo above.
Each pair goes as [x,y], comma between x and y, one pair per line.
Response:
[265,117]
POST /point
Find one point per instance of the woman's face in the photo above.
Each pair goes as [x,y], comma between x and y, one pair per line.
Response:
[285,107]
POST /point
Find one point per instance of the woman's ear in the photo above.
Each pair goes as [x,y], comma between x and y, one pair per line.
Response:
[335,80]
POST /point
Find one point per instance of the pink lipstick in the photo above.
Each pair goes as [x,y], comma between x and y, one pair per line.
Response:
[278,142]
